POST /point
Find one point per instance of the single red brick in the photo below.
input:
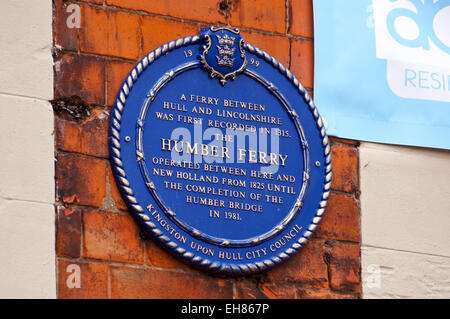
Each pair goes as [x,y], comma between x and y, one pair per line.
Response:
[67,135]
[322,294]
[301,20]
[269,15]
[345,168]
[80,75]
[157,31]
[276,46]
[94,134]
[80,179]
[68,231]
[158,257]
[249,290]
[200,10]
[65,37]
[116,72]
[93,280]
[345,268]
[108,32]
[115,194]
[307,267]
[302,61]
[341,219]
[111,236]
[88,137]
[127,282]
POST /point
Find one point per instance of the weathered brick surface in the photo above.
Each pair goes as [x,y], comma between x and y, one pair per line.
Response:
[307,267]
[85,137]
[269,15]
[68,231]
[302,61]
[278,292]
[94,280]
[127,282]
[201,10]
[80,180]
[345,168]
[157,31]
[65,38]
[336,140]
[250,290]
[301,18]
[156,256]
[276,46]
[111,236]
[80,75]
[116,72]
[94,131]
[323,294]
[68,135]
[341,220]
[109,32]
[93,227]
[345,268]
[115,194]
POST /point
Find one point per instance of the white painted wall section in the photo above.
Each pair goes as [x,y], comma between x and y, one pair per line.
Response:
[27,227]
[405,221]
[26,41]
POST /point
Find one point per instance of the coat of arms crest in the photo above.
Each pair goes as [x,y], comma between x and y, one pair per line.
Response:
[223,54]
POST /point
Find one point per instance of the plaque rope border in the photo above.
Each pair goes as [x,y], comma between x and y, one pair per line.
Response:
[127,192]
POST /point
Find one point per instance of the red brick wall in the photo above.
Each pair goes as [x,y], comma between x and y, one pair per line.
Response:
[94,229]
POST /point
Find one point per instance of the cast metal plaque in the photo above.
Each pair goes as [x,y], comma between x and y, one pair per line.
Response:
[220,153]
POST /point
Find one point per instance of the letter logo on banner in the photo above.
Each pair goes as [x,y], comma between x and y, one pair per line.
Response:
[412,35]
[392,59]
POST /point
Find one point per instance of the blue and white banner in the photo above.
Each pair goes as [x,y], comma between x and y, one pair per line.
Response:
[382,70]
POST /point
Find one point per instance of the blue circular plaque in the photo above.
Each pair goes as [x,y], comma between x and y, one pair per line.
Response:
[220,153]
